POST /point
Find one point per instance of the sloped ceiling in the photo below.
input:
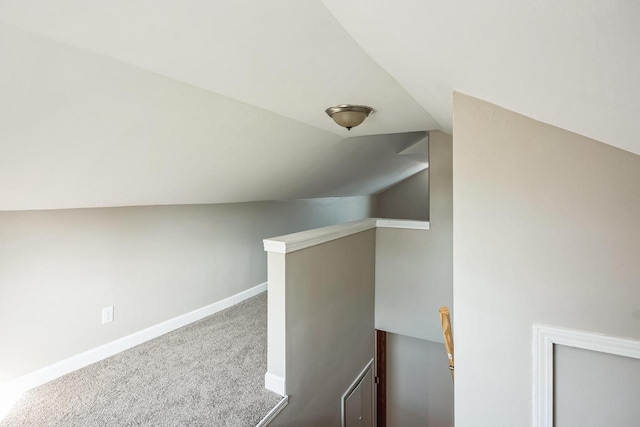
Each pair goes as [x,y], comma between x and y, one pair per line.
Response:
[167,102]
[136,103]
[571,63]
[286,56]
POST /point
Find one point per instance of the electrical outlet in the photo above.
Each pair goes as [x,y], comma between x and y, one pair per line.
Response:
[107,315]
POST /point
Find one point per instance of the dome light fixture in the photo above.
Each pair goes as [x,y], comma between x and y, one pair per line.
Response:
[349,116]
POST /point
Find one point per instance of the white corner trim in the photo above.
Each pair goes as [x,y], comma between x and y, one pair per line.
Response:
[275,246]
[402,223]
[275,383]
[73,363]
[272,413]
[544,338]
[305,239]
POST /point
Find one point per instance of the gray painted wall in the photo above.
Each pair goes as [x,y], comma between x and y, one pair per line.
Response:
[329,326]
[593,389]
[59,268]
[419,385]
[545,231]
[414,267]
[409,199]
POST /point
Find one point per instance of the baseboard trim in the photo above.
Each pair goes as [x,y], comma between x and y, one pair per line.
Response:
[73,363]
[275,383]
[272,413]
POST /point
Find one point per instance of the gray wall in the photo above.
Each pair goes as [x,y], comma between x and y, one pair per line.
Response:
[329,326]
[413,279]
[59,268]
[545,231]
[419,385]
[409,199]
[414,267]
[593,389]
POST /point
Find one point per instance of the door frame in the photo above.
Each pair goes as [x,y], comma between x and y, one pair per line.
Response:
[380,378]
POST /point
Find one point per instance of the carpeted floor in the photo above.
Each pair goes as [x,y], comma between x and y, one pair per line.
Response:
[209,373]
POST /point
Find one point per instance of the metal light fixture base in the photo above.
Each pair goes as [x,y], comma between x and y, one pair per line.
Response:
[347,115]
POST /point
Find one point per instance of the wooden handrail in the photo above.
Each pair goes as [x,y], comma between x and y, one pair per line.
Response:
[448,337]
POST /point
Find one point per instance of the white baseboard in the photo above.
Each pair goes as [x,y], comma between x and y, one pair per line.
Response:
[272,413]
[275,383]
[73,363]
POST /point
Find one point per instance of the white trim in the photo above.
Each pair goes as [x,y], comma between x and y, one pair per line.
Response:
[352,387]
[305,239]
[73,363]
[271,245]
[402,223]
[272,413]
[544,338]
[275,383]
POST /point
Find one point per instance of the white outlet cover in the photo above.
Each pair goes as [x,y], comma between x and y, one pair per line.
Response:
[107,314]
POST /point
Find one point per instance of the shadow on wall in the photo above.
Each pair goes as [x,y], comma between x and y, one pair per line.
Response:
[414,277]
[328,290]
[419,386]
[365,164]
[409,199]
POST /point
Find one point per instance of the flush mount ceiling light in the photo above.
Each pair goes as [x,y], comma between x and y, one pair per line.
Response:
[349,116]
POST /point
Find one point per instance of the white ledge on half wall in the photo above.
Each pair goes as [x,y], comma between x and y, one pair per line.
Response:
[304,239]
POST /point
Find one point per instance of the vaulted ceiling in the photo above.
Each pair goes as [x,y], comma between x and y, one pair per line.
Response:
[571,63]
[131,102]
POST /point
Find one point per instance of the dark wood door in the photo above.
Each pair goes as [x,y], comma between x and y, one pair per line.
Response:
[381,378]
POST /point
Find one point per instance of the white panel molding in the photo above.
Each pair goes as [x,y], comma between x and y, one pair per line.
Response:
[305,239]
[354,384]
[275,383]
[544,338]
[73,363]
[272,413]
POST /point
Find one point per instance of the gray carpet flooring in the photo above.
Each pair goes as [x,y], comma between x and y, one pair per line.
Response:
[209,373]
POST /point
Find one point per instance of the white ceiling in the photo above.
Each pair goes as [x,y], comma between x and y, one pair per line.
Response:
[290,57]
[144,102]
[81,130]
[571,63]
[134,102]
